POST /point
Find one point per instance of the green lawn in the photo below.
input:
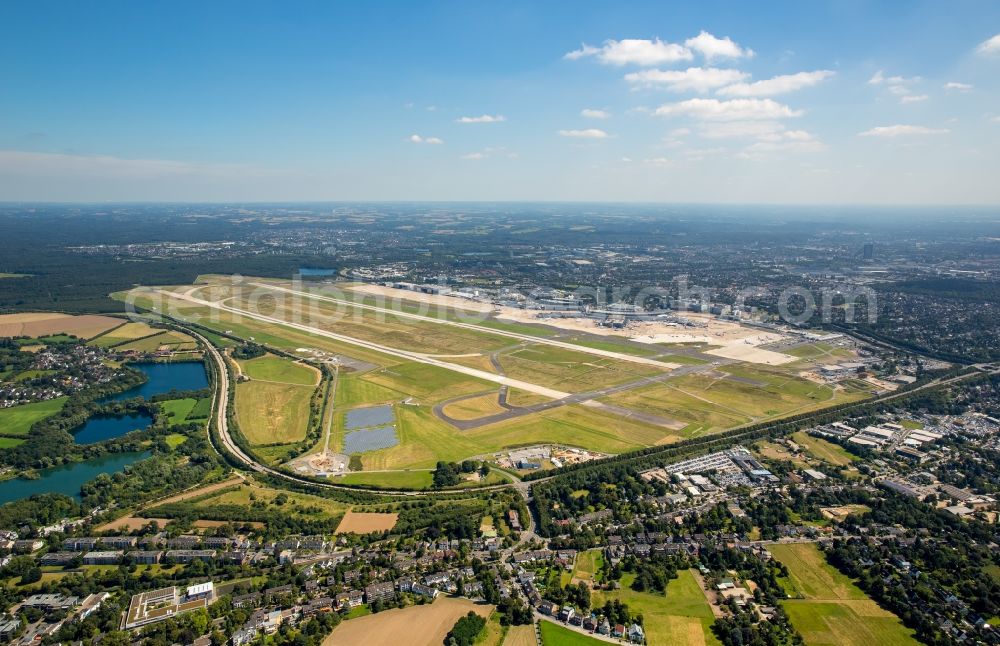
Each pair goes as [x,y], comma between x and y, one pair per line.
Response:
[390,479]
[18,419]
[202,409]
[9,442]
[823,450]
[355,390]
[681,617]
[272,368]
[175,439]
[588,564]
[829,608]
[179,409]
[556,635]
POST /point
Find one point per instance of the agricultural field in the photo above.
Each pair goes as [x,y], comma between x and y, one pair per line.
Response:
[520,636]
[273,407]
[17,420]
[424,625]
[168,340]
[555,635]
[44,324]
[120,335]
[364,523]
[828,608]
[681,617]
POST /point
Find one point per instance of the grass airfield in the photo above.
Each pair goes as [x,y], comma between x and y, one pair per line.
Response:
[465,384]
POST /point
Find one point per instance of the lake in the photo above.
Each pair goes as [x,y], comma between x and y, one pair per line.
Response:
[312,271]
[164,377]
[98,429]
[67,479]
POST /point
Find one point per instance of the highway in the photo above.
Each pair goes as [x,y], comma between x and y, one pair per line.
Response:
[220,415]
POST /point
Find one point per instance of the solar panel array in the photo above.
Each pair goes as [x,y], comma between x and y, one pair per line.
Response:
[372,439]
[367,417]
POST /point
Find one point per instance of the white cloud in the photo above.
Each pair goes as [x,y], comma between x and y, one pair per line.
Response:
[777,85]
[711,47]
[474,156]
[996,119]
[733,110]
[879,78]
[657,161]
[584,51]
[632,51]
[789,145]
[595,114]
[991,46]
[680,132]
[740,129]
[699,79]
[955,85]
[484,118]
[902,130]
[417,139]
[913,98]
[588,133]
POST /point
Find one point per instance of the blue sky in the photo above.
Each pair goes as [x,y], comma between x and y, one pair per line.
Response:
[800,102]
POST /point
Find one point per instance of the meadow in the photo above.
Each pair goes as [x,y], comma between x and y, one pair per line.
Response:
[568,370]
[681,617]
[555,635]
[383,328]
[273,407]
[17,420]
[123,334]
[828,608]
[732,396]
[823,450]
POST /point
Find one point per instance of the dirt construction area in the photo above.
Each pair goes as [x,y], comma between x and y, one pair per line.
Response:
[424,625]
[365,523]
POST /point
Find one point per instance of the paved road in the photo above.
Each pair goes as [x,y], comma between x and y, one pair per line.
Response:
[222,425]
[220,415]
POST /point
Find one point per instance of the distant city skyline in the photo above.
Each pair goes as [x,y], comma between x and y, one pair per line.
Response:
[808,103]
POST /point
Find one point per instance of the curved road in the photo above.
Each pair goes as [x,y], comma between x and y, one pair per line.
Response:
[221,406]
